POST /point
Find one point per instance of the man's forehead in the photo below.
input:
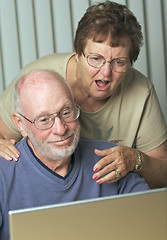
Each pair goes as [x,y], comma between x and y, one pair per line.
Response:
[40,108]
[41,82]
[38,78]
[43,88]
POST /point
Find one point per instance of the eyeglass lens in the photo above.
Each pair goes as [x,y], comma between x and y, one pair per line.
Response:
[118,64]
[66,115]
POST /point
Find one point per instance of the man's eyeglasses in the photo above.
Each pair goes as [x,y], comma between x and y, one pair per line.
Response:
[119,65]
[47,121]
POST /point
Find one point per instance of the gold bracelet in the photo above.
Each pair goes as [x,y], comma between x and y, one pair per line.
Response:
[140,162]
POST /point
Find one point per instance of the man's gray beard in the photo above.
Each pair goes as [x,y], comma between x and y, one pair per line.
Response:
[51,152]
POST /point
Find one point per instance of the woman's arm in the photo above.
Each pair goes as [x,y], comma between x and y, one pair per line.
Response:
[154,169]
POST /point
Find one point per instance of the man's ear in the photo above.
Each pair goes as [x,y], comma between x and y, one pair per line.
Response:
[17,119]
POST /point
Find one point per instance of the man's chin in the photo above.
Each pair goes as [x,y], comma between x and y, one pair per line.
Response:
[59,152]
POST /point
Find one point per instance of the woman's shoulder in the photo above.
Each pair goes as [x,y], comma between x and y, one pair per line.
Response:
[135,78]
[61,57]
[137,84]
[56,62]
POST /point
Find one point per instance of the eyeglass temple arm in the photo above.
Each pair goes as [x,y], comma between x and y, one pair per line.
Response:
[25,118]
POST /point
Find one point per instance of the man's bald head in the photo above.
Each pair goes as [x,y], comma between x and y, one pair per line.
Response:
[38,81]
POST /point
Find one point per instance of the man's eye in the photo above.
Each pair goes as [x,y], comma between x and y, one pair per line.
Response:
[66,112]
[43,119]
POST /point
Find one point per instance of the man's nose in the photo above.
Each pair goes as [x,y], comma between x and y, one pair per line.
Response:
[59,127]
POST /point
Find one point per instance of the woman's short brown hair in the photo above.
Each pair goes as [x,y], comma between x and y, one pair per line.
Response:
[109,19]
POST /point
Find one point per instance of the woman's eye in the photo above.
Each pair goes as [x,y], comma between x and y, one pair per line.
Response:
[96,59]
[120,62]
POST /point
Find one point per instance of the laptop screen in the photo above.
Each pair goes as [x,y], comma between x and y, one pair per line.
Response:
[141,215]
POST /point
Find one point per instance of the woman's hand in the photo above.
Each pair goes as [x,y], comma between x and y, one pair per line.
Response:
[8,150]
[116,162]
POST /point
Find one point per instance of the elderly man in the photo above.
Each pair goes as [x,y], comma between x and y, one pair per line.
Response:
[54,166]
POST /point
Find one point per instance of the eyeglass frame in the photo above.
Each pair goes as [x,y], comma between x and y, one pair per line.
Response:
[105,61]
[57,115]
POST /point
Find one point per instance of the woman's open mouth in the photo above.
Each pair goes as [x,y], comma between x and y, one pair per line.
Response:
[102,85]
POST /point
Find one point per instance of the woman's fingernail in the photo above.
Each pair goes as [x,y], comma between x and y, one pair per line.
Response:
[9,158]
[94,177]
[15,159]
[95,169]
[18,155]
[98,181]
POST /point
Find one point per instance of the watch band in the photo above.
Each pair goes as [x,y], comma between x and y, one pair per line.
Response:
[140,162]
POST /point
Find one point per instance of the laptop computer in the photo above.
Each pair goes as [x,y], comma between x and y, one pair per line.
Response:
[141,215]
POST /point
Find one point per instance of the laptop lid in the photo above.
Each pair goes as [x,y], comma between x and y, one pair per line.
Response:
[141,215]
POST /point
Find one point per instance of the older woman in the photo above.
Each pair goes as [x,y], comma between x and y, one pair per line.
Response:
[117,102]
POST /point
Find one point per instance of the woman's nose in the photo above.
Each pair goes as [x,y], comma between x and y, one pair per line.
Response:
[107,69]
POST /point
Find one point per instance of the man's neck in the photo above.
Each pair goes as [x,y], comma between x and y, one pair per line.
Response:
[61,167]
